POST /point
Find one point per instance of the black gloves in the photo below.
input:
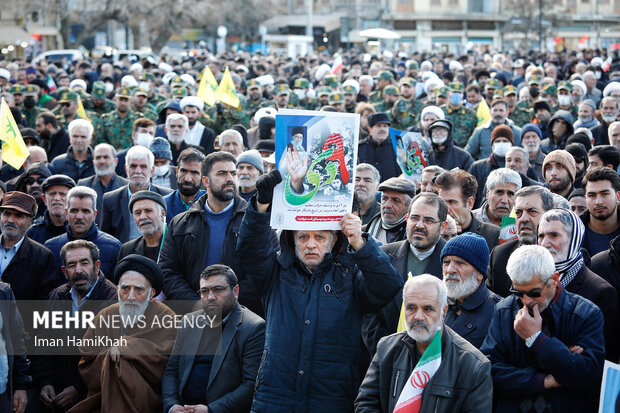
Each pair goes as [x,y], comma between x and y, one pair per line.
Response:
[265,185]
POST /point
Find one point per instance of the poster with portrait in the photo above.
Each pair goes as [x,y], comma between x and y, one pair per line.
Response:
[610,390]
[316,154]
[411,151]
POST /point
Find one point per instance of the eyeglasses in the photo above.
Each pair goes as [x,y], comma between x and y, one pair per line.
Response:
[414,219]
[30,180]
[531,293]
[66,104]
[217,290]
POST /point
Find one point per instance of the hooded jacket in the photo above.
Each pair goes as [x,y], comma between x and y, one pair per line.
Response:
[450,156]
[549,144]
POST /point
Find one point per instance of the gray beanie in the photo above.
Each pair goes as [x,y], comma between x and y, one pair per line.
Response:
[252,157]
[161,149]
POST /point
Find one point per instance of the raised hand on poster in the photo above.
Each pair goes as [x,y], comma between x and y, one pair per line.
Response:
[297,168]
[351,226]
[264,189]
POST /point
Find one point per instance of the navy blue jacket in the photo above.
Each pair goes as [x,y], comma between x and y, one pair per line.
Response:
[43,229]
[175,204]
[107,244]
[381,156]
[313,340]
[519,372]
[67,165]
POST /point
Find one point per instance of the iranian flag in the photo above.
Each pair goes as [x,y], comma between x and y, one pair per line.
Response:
[410,399]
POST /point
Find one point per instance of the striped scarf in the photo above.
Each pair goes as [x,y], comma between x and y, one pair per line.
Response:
[569,268]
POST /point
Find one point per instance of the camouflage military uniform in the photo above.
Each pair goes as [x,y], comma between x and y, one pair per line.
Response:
[521,115]
[30,115]
[308,103]
[115,129]
[573,109]
[464,121]
[100,94]
[377,96]
[384,105]
[401,118]
[66,97]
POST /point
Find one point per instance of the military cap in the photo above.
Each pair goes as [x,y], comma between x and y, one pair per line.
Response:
[442,91]
[31,90]
[534,80]
[282,89]
[17,89]
[384,74]
[509,90]
[147,76]
[499,94]
[402,185]
[179,92]
[62,90]
[68,97]
[140,91]
[391,90]
[253,83]
[324,90]
[457,87]
[99,90]
[407,81]
[565,85]
[176,81]
[413,65]
[550,89]
[124,92]
[58,179]
[336,97]
[302,83]
[492,84]
[330,80]
[349,90]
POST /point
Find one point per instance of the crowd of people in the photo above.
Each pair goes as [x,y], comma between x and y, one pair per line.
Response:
[141,201]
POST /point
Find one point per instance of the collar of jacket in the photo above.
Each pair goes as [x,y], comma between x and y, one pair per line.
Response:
[497,161]
[89,157]
[198,206]
[477,298]
[91,235]
[338,257]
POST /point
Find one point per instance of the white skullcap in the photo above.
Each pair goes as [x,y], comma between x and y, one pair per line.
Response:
[596,61]
[265,80]
[188,79]
[128,80]
[426,65]
[353,83]
[5,74]
[192,101]
[387,54]
[321,71]
[244,68]
[436,110]
[366,57]
[165,67]
[427,75]
[136,66]
[165,79]
[455,66]
[77,83]
[262,112]
[611,86]
[581,84]
[433,81]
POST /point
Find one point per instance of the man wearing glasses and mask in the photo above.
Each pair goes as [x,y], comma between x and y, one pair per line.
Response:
[545,343]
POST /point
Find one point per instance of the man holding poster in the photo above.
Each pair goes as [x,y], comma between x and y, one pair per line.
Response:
[315,294]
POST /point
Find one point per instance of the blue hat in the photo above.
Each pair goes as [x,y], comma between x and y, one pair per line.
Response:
[470,247]
[531,127]
[161,149]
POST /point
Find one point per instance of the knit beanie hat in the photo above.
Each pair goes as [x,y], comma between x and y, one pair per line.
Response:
[531,127]
[470,247]
[563,158]
[502,131]
[161,149]
[252,157]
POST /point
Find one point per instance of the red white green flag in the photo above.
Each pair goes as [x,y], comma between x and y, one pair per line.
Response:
[410,399]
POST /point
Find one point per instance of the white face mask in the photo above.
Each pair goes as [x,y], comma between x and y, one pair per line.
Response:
[161,170]
[311,93]
[143,139]
[109,87]
[598,75]
[301,93]
[501,148]
[145,85]
[564,100]
[438,140]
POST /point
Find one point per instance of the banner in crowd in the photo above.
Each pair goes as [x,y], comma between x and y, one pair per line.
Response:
[316,153]
[411,151]
[610,391]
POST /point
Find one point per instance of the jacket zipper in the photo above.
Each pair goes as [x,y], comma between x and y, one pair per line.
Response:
[396,383]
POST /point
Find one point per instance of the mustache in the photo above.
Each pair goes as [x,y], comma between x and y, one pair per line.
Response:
[80,277]
[145,221]
[10,225]
[417,324]
[451,278]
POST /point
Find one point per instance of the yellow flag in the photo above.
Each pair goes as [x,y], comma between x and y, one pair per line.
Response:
[483,113]
[402,322]
[207,87]
[80,109]
[14,150]
[226,92]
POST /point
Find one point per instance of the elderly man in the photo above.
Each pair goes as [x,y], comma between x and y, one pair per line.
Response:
[249,168]
[81,212]
[390,225]
[105,178]
[458,190]
[52,223]
[197,134]
[559,171]
[419,253]
[457,377]
[501,186]
[86,289]
[139,350]
[164,173]
[148,210]
[530,204]
[367,180]
[445,153]
[77,163]
[464,261]
[545,343]
[427,179]
[377,149]
[610,109]
[176,128]
[189,178]
[198,377]
[614,135]
[480,143]
[316,290]
[231,141]
[531,137]
[561,232]
[116,220]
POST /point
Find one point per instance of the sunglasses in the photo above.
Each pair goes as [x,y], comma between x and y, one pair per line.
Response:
[532,293]
[66,104]
[30,180]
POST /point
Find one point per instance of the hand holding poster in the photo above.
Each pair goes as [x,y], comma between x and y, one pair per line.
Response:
[316,154]
[412,152]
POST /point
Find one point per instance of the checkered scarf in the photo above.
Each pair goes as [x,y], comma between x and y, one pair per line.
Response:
[569,268]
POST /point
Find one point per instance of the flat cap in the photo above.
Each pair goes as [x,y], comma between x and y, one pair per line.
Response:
[401,185]
[377,118]
[58,179]
[19,201]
